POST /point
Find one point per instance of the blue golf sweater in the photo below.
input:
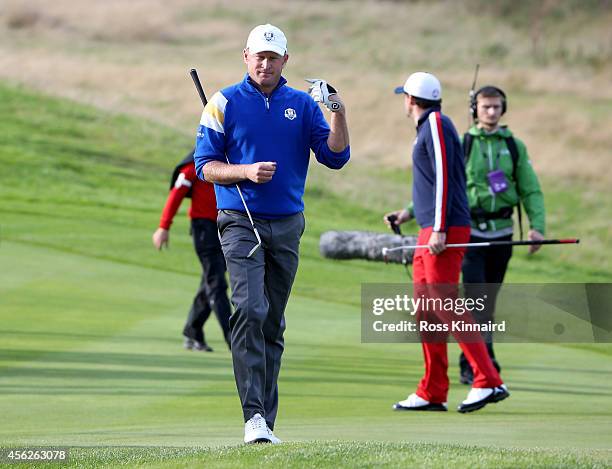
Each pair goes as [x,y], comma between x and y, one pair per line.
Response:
[246,126]
[438,187]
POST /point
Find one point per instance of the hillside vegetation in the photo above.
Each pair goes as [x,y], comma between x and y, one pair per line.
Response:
[554,59]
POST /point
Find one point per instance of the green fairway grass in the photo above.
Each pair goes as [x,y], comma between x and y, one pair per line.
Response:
[91,316]
[331,455]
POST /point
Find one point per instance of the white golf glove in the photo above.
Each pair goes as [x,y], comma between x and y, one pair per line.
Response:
[320,91]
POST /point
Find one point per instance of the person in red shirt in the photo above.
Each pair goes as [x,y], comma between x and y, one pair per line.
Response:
[212,292]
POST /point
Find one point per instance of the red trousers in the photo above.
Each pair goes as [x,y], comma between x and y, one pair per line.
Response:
[444,269]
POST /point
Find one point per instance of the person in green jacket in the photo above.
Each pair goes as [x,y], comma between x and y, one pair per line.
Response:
[499,178]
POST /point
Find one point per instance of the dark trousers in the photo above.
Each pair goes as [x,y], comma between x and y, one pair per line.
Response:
[260,290]
[212,292]
[485,265]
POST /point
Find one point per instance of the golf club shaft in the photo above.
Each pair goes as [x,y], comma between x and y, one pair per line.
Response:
[489,244]
[198,85]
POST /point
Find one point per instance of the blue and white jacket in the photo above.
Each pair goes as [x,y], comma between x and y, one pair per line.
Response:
[246,126]
[438,186]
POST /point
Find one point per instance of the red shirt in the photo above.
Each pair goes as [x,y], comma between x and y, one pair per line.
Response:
[203,202]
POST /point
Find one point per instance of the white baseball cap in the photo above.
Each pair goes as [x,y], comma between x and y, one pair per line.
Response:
[422,85]
[267,38]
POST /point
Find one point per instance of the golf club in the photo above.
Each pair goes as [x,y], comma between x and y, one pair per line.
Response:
[198,85]
[385,251]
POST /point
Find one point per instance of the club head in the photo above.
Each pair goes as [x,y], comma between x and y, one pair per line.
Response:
[257,246]
[252,251]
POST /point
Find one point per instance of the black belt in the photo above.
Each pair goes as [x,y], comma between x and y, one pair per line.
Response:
[480,215]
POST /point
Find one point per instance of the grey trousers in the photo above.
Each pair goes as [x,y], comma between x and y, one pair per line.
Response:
[260,290]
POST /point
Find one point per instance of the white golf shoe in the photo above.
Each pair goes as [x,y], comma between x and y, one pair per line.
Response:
[273,439]
[477,398]
[256,430]
[414,402]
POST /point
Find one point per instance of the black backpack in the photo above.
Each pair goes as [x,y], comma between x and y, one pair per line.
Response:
[188,159]
[468,141]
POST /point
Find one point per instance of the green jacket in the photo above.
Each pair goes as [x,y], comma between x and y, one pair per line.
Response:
[488,153]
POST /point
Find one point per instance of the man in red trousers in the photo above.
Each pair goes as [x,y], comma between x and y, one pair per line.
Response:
[439,204]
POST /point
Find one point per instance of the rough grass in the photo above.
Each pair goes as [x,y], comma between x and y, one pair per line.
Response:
[95,52]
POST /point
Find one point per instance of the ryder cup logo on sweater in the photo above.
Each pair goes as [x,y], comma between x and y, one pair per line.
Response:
[290,113]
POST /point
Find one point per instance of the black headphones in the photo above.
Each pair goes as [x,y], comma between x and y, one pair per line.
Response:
[489,88]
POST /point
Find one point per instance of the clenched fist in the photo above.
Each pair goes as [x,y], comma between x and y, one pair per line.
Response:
[261,172]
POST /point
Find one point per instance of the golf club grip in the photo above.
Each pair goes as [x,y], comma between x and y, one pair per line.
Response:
[198,85]
[394,226]
[520,243]
[535,242]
